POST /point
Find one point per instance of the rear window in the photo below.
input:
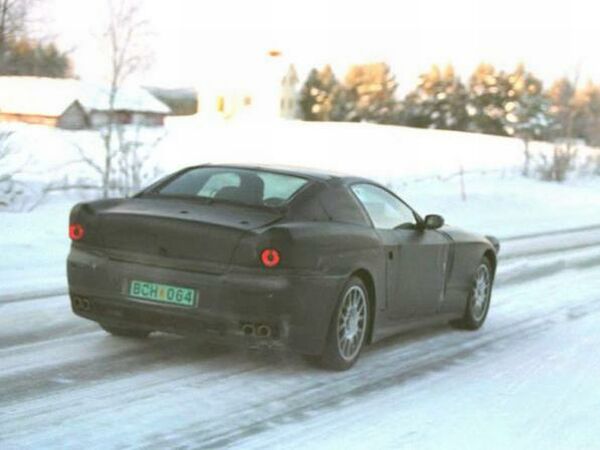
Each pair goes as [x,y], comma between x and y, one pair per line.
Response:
[250,187]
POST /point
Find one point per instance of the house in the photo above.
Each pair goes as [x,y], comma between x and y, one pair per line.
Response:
[268,89]
[133,106]
[75,105]
[288,102]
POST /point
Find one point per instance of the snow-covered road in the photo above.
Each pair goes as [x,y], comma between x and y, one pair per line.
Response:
[527,379]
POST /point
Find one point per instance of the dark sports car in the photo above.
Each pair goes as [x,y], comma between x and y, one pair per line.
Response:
[320,263]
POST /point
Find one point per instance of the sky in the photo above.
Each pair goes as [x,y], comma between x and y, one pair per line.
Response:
[198,41]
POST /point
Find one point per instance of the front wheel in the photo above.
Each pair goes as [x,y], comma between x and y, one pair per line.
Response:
[348,327]
[478,301]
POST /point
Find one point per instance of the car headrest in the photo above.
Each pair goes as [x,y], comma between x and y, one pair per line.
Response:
[228,193]
[250,191]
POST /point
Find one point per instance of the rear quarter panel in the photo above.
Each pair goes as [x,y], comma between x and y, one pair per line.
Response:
[325,249]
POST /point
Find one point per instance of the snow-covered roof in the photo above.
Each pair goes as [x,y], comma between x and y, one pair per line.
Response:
[40,96]
[129,98]
[51,96]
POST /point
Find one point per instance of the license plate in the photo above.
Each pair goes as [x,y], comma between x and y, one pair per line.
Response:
[163,293]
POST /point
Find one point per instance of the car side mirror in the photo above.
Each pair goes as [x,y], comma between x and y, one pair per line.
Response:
[433,222]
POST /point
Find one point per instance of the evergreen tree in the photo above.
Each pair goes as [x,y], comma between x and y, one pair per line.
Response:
[565,108]
[489,90]
[527,108]
[439,101]
[370,90]
[336,102]
[309,108]
[21,55]
[321,96]
[25,57]
[527,111]
[562,96]
[588,114]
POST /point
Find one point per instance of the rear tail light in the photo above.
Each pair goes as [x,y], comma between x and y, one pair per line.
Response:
[270,257]
[76,231]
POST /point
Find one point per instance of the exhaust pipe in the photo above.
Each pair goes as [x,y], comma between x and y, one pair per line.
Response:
[263,331]
[85,304]
[248,329]
[77,302]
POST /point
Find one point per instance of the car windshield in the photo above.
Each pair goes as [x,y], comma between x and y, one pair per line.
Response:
[245,186]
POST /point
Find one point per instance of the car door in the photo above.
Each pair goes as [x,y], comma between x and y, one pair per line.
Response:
[416,258]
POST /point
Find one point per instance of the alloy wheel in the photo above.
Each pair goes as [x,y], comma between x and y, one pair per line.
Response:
[352,323]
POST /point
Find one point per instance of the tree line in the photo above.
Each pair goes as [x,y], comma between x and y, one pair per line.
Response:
[22,54]
[505,103]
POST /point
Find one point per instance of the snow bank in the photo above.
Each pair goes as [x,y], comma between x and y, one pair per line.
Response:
[380,151]
[386,153]
[418,164]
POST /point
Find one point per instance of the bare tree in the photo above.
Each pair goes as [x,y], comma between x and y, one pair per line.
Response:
[562,161]
[15,20]
[135,152]
[126,34]
[572,110]
[10,189]
[556,167]
[12,20]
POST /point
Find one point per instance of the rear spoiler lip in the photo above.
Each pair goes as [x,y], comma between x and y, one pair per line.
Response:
[495,242]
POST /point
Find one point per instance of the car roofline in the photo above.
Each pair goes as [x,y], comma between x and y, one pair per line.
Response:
[304,172]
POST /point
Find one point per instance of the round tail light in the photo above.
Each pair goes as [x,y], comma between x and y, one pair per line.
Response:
[76,231]
[270,257]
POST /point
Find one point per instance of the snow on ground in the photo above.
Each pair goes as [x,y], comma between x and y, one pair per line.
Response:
[34,247]
[506,204]
[35,243]
[526,379]
[535,389]
[384,152]
[420,165]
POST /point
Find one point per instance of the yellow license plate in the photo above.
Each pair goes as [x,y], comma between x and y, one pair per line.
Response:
[163,293]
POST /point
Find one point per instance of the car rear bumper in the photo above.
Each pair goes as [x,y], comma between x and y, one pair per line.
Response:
[296,307]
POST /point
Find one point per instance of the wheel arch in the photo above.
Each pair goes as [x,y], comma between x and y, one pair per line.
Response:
[366,277]
[491,256]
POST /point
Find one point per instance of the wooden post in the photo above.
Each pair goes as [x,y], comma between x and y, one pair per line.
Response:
[463,192]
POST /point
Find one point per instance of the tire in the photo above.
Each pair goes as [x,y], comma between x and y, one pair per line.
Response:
[348,327]
[126,332]
[478,301]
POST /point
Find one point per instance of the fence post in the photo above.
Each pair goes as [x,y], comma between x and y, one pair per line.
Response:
[463,193]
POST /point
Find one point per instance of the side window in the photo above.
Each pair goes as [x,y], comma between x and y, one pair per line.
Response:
[279,188]
[385,210]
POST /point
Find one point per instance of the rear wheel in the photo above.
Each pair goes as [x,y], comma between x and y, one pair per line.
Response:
[126,332]
[478,301]
[348,327]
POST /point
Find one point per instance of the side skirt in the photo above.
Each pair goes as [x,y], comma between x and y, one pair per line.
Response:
[412,324]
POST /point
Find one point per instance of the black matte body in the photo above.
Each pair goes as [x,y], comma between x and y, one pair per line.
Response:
[324,236]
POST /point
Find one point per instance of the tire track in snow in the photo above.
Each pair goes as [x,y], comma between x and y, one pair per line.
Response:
[312,392]
[307,403]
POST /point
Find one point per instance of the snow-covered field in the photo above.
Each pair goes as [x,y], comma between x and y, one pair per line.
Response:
[35,244]
[388,153]
[525,380]
[420,165]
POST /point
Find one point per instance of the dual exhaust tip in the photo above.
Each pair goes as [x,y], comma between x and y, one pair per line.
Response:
[258,330]
[249,329]
[81,303]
